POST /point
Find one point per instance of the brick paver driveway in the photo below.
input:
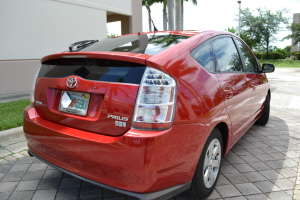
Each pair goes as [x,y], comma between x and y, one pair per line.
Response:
[262,165]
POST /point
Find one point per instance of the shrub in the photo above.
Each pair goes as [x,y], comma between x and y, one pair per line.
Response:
[260,56]
[276,55]
[295,55]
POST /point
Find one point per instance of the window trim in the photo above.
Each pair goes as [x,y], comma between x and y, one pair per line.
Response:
[209,41]
[215,61]
[235,39]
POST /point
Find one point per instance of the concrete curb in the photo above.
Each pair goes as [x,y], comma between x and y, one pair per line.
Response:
[11,136]
[14,97]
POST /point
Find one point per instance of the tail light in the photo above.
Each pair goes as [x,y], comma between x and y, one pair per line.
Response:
[33,88]
[155,103]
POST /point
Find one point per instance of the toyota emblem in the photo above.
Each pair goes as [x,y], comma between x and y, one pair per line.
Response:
[71,82]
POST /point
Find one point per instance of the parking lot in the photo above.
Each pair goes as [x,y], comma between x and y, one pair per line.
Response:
[264,164]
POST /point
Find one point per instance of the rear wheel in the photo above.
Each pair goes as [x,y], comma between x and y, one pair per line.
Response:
[264,118]
[208,168]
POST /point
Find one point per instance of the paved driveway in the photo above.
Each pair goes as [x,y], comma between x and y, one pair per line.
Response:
[264,164]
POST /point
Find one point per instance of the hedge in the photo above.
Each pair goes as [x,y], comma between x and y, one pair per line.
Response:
[296,55]
[260,56]
[272,55]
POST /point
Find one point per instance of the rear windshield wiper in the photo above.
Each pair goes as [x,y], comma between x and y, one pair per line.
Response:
[81,44]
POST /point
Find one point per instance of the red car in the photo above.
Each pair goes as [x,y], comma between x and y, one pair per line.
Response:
[149,115]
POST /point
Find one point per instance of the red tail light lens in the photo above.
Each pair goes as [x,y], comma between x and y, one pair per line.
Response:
[32,100]
[155,102]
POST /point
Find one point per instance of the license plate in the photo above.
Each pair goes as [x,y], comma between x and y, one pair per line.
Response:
[74,102]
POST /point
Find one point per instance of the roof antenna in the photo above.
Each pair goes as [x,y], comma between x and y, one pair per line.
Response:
[155,29]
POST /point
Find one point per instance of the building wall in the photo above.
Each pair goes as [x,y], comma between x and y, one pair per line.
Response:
[136,18]
[125,22]
[117,6]
[32,29]
[295,20]
[17,75]
[35,28]
[130,24]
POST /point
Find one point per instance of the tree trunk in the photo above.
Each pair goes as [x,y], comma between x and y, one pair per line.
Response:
[267,51]
[165,16]
[181,20]
[267,45]
[171,14]
[149,21]
[177,14]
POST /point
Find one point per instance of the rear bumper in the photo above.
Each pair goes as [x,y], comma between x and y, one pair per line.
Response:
[158,195]
[144,164]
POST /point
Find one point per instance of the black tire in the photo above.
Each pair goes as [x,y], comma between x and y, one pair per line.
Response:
[264,118]
[199,189]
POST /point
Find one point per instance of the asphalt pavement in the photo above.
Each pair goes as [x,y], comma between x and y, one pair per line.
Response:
[264,164]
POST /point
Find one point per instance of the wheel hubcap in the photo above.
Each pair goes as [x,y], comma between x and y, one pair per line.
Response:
[212,163]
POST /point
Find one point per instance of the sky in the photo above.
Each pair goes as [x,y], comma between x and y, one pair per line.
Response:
[221,14]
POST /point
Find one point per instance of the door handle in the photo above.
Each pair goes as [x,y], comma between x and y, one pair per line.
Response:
[253,85]
[228,91]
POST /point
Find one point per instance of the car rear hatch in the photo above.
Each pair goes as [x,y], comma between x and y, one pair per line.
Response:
[95,92]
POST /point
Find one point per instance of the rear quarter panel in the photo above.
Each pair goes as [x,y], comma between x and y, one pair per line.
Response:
[200,98]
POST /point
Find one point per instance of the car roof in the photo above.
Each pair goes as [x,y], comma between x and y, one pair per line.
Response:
[180,32]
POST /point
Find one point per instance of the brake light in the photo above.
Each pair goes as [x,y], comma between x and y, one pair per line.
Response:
[155,103]
[33,88]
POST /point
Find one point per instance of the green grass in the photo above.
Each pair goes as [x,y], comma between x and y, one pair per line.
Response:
[283,63]
[11,114]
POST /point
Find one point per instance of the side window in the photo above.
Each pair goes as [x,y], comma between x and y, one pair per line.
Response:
[203,54]
[227,57]
[250,61]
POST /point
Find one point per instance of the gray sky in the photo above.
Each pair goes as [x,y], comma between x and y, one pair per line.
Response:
[221,14]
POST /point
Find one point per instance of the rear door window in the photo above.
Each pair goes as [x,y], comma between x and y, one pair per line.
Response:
[250,61]
[203,54]
[226,54]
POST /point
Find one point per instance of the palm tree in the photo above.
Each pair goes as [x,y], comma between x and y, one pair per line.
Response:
[168,17]
[170,14]
[165,15]
[166,40]
[147,4]
[182,3]
[178,15]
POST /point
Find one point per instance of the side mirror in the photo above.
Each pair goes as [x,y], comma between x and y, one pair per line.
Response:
[268,68]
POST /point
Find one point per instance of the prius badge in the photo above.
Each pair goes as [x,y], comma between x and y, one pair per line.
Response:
[118,123]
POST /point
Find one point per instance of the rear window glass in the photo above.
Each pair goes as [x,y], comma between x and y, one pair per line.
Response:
[94,69]
[150,44]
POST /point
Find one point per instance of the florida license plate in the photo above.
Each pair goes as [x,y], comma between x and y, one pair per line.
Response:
[74,102]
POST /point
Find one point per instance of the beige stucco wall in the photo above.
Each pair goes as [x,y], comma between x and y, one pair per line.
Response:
[17,75]
[117,6]
[130,24]
[136,18]
[32,29]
